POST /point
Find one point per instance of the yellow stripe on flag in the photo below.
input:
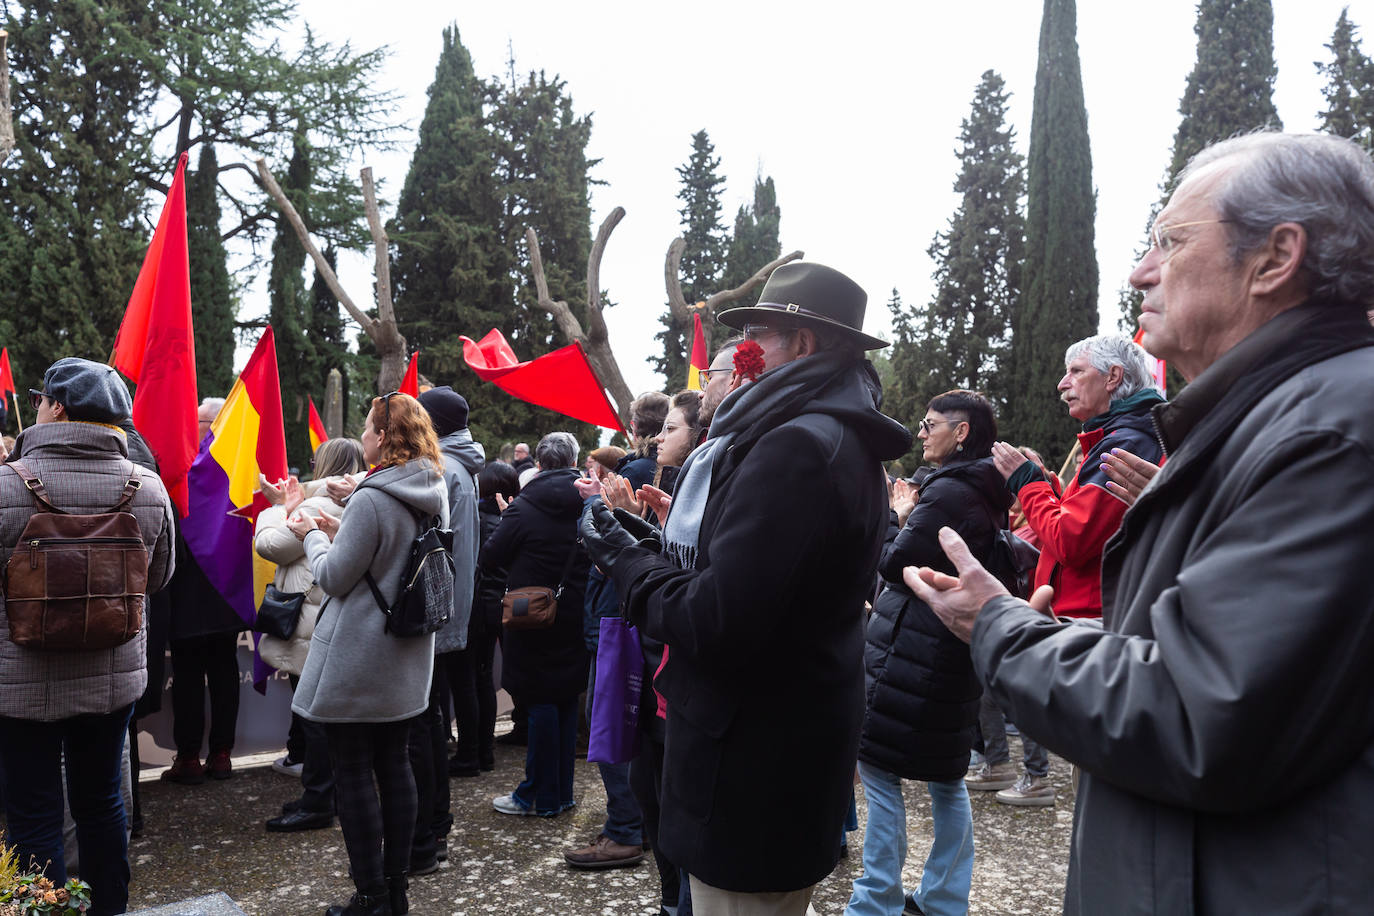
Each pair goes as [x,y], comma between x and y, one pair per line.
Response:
[235,446]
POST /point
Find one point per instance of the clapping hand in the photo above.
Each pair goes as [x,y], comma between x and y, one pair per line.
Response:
[656,499]
[1007,458]
[902,499]
[328,524]
[292,494]
[301,524]
[958,601]
[587,487]
[339,488]
[273,491]
[618,494]
[1127,474]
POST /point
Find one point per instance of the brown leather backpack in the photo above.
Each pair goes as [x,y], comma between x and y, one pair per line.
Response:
[76,581]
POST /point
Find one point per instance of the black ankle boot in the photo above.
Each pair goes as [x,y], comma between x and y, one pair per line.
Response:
[396,890]
[362,905]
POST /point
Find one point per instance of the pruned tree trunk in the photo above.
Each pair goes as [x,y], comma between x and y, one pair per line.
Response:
[6,109]
[382,330]
[595,342]
[333,405]
[677,304]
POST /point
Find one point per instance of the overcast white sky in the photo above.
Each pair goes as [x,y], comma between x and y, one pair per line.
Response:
[853,108]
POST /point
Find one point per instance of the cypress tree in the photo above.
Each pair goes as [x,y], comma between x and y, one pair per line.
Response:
[542,171]
[1349,89]
[71,198]
[753,244]
[909,361]
[1059,280]
[1230,91]
[451,269]
[212,297]
[965,333]
[703,261]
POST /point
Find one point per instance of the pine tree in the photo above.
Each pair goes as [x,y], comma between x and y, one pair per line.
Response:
[703,261]
[1349,90]
[212,296]
[965,333]
[753,244]
[71,198]
[1059,280]
[451,269]
[1230,91]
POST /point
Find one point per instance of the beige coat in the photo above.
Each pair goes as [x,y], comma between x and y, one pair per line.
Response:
[275,542]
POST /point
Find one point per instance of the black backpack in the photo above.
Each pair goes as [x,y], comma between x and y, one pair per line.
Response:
[426,597]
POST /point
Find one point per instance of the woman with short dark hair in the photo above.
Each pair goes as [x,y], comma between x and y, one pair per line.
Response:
[922,693]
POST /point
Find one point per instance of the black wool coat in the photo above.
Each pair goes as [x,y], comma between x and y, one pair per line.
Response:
[764,680]
[532,542]
[921,690]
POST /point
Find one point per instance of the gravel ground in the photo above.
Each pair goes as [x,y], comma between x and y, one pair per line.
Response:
[211,837]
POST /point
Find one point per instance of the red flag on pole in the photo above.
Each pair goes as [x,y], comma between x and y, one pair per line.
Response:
[317,433]
[156,347]
[6,376]
[696,363]
[562,381]
[411,383]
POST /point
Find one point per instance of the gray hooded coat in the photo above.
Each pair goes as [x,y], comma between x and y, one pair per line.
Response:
[463,458]
[356,671]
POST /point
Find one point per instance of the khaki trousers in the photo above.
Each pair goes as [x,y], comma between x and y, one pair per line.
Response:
[712,901]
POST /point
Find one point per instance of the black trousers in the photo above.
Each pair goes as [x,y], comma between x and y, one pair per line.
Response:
[646,781]
[377,828]
[474,699]
[196,662]
[428,750]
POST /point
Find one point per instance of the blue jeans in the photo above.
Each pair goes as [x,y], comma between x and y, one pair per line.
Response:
[949,867]
[624,823]
[32,753]
[548,784]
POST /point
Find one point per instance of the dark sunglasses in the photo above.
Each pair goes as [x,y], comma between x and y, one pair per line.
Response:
[386,409]
[36,398]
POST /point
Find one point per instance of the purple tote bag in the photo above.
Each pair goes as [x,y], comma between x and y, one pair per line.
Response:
[615,704]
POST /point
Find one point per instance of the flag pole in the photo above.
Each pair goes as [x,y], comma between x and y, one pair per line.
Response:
[17,418]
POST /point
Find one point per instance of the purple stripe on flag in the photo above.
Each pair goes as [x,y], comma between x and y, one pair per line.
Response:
[221,543]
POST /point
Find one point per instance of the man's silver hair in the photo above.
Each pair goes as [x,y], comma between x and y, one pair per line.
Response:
[216,403]
[1320,181]
[556,450]
[1107,350]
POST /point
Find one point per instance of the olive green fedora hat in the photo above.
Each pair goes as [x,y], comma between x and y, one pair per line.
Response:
[814,293]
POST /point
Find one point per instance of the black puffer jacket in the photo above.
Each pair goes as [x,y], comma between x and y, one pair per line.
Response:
[533,541]
[922,693]
[491,581]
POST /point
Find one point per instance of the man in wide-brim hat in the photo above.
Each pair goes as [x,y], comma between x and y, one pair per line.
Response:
[758,590]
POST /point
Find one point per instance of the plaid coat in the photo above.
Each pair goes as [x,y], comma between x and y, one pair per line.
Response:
[84,467]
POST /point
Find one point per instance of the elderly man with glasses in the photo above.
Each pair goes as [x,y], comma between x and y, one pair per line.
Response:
[1221,713]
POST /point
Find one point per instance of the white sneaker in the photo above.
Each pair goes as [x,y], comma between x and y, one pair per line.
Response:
[284,766]
[507,804]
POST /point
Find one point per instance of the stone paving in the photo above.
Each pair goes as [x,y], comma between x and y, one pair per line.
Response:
[208,838]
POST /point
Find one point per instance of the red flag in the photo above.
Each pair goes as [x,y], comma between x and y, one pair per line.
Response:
[1158,367]
[317,433]
[6,376]
[696,363]
[156,347]
[411,383]
[562,381]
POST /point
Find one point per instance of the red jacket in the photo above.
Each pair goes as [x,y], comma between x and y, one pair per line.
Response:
[1072,529]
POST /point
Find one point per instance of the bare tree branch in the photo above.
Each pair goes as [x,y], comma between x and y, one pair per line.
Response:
[677,305]
[330,278]
[385,309]
[716,300]
[597,350]
[596,322]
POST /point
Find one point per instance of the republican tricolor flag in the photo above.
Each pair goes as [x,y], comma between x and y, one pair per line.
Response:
[247,438]
[317,433]
[697,363]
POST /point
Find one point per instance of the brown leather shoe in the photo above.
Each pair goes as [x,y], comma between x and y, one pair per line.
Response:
[218,765]
[185,770]
[604,852]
